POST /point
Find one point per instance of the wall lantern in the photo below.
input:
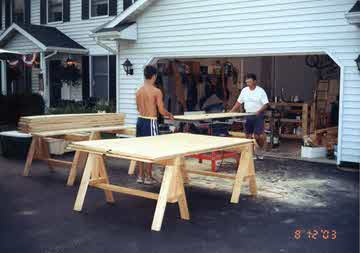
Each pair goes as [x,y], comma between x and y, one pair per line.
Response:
[358,62]
[71,62]
[128,67]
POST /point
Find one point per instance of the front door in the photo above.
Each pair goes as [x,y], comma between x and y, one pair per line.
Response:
[55,83]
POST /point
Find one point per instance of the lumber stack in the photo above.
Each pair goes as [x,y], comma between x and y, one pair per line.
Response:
[37,124]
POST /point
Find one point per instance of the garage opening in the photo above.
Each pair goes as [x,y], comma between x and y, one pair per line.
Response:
[303,90]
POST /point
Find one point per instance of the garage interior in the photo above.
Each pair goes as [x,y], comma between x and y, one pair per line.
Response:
[303,91]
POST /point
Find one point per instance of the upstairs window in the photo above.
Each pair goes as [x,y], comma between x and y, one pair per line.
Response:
[99,8]
[55,10]
[18,12]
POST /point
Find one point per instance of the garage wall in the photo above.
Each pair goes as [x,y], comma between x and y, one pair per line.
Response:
[247,27]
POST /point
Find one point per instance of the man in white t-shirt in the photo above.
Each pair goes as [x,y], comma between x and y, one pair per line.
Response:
[255,101]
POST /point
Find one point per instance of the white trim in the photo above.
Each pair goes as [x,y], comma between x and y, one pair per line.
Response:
[136,7]
[102,16]
[47,14]
[24,33]
[108,48]
[129,33]
[341,105]
[353,17]
[68,50]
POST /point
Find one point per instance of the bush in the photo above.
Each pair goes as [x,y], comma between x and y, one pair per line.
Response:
[15,106]
[87,106]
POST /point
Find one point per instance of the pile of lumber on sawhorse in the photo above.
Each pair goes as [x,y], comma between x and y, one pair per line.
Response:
[65,127]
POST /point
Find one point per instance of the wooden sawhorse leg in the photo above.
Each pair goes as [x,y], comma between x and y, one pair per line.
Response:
[132,168]
[246,168]
[94,171]
[38,150]
[172,190]
[80,158]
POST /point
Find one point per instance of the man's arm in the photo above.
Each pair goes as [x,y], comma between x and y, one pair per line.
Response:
[262,109]
[236,107]
[160,106]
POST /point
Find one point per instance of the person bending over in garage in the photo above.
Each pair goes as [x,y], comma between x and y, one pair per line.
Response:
[149,101]
[255,101]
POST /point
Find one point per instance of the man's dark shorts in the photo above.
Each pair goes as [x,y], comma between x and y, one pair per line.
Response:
[146,127]
[254,124]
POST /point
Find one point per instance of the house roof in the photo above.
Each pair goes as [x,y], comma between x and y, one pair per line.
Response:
[356,7]
[45,37]
[117,28]
[126,16]
[353,16]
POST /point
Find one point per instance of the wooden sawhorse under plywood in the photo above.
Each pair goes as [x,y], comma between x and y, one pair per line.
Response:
[170,151]
[39,149]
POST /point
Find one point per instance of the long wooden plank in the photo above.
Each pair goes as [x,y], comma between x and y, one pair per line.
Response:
[128,191]
[79,130]
[210,116]
[57,162]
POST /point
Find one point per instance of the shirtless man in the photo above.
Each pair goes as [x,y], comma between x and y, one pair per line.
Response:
[149,101]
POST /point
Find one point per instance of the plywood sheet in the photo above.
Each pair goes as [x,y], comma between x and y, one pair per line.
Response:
[161,147]
[211,116]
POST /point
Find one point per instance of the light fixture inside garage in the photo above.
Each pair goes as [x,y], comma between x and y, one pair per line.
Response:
[128,67]
[358,62]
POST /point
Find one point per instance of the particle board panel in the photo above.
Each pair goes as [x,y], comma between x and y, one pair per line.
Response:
[161,147]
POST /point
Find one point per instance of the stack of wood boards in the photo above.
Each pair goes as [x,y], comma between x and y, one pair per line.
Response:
[38,124]
[327,92]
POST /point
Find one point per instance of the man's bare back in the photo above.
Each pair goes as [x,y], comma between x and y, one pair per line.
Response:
[149,101]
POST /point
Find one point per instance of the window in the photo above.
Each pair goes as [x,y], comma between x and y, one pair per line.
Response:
[18,12]
[55,10]
[99,8]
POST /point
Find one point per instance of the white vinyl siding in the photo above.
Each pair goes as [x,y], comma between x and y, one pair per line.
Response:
[246,27]
[21,44]
[77,29]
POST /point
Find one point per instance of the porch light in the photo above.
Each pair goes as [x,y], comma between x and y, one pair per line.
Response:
[71,62]
[128,67]
[358,62]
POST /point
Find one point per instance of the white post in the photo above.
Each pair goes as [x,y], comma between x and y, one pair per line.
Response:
[43,68]
[3,78]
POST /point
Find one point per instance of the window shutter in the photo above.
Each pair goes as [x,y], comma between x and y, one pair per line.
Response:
[85,77]
[66,10]
[85,9]
[112,78]
[127,4]
[7,13]
[112,7]
[27,4]
[43,11]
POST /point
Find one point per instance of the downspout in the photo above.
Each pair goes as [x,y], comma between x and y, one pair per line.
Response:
[43,66]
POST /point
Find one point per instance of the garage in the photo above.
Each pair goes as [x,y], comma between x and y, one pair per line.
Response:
[303,91]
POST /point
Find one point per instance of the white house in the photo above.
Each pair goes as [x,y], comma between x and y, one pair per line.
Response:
[169,29]
[58,30]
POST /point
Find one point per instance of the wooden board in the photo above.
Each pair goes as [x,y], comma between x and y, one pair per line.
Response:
[159,148]
[90,129]
[46,123]
[211,116]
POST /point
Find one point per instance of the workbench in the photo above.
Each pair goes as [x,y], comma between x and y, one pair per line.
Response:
[168,150]
[211,118]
